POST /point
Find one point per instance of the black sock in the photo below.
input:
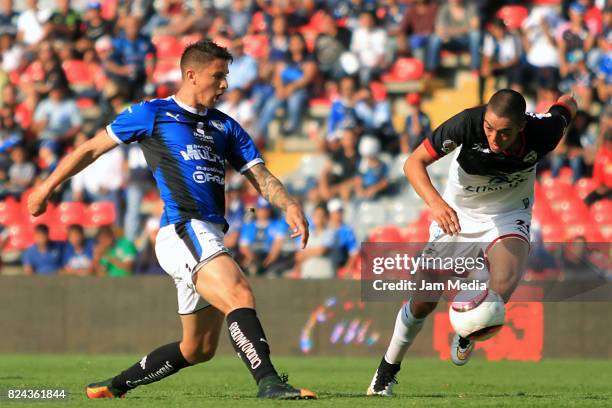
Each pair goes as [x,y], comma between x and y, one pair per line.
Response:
[158,364]
[249,341]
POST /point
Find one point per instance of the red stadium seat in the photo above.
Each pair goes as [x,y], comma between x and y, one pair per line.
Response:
[47,218]
[102,213]
[72,213]
[405,69]
[10,212]
[553,233]
[258,22]
[590,231]
[189,39]
[57,231]
[166,72]
[77,73]
[256,45]
[555,189]
[584,186]
[387,233]
[602,212]
[21,236]
[513,15]
[168,47]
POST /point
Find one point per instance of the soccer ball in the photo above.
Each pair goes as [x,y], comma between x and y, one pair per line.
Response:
[477,315]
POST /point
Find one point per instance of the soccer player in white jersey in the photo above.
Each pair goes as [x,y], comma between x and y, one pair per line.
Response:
[186,142]
[486,204]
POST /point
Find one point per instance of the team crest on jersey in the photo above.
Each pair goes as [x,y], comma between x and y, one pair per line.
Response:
[530,157]
[217,125]
[480,148]
[448,146]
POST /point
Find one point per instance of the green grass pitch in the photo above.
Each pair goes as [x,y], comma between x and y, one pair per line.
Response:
[340,382]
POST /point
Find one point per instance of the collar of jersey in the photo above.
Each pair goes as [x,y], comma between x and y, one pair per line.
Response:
[189,108]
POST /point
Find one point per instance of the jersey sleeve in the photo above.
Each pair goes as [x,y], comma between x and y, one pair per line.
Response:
[552,125]
[446,137]
[242,153]
[133,124]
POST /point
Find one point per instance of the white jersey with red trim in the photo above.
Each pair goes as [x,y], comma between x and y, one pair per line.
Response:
[483,185]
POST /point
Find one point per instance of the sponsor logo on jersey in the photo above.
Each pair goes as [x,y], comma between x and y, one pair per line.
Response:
[175,117]
[480,148]
[498,183]
[200,133]
[217,125]
[530,157]
[448,146]
[197,152]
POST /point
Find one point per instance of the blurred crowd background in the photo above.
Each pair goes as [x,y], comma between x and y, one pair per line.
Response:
[336,93]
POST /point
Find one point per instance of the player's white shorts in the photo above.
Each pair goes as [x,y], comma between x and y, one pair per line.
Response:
[477,237]
[181,249]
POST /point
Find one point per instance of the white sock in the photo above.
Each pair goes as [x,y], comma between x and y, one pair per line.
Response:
[406,328]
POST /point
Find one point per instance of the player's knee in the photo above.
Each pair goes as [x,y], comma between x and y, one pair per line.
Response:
[197,353]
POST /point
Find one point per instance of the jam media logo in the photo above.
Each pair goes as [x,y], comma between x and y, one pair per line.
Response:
[521,338]
[342,323]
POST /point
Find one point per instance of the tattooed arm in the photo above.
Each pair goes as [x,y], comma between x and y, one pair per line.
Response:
[273,190]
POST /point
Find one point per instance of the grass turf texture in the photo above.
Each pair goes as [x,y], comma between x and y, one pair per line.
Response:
[340,382]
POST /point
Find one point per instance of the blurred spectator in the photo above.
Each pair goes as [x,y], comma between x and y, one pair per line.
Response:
[417,125]
[279,39]
[573,147]
[260,240]
[146,260]
[94,26]
[346,248]
[337,177]
[77,258]
[241,109]
[371,180]
[374,116]
[501,53]
[240,17]
[315,262]
[113,256]
[100,181]
[243,70]
[31,24]
[64,23]
[602,168]
[343,108]
[4,239]
[575,261]
[139,182]
[539,258]
[457,27]
[57,117]
[12,53]
[132,61]
[8,18]
[417,26]
[47,158]
[369,44]
[600,60]
[21,173]
[542,56]
[234,214]
[46,71]
[9,129]
[574,40]
[330,44]
[292,81]
[45,256]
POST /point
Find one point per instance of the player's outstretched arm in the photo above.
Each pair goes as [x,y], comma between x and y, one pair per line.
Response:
[273,190]
[415,170]
[569,101]
[70,165]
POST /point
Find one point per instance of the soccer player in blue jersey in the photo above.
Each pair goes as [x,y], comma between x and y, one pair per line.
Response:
[186,143]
